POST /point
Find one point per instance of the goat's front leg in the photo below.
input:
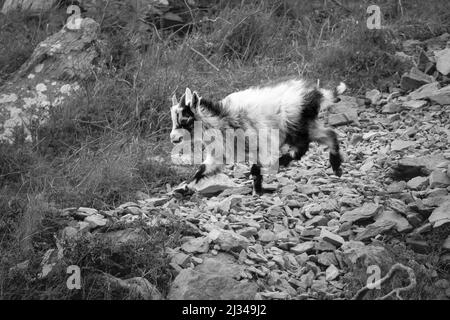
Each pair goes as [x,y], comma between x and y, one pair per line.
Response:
[255,172]
[209,167]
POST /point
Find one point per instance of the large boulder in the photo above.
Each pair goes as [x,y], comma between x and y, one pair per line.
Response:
[212,280]
[29,5]
[415,79]
[48,78]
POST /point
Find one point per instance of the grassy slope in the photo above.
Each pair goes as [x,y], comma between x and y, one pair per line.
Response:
[98,149]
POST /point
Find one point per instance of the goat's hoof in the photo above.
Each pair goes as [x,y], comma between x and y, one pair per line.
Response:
[338,172]
[258,193]
[200,174]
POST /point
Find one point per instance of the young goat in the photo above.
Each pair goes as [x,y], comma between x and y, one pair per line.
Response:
[290,107]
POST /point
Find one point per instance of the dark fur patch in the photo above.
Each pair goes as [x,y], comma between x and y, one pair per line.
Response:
[187,118]
[215,108]
[255,171]
[298,132]
[311,104]
[285,160]
[200,174]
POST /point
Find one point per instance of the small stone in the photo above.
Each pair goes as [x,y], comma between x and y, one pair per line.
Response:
[247,232]
[415,104]
[181,259]
[228,240]
[441,96]
[391,108]
[424,91]
[327,258]
[401,223]
[446,244]
[415,219]
[356,138]
[393,117]
[310,232]
[417,183]
[275,210]
[396,187]
[427,227]
[213,185]
[308,189]
[232,202]
[374,229]
[374,96]
[96,220]
[319,286]
[398,206]
[443,61]
[83,212]
[196,260]
[301,258]
[323,245]
[265,235]
[136,211]
[276,295]
[419,246]
[331,273]
[437,192]
[439,179]
[342,118]
[316,221]
[303,247]
[279,261]
[312,209]
[398,145]
[440,215]
[332,238]
[368,210]
[196,245]
[414,79]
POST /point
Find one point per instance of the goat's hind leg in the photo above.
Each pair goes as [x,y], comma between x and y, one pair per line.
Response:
[329,138]
[255,172]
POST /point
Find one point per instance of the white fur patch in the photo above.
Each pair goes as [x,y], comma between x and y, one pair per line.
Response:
[188,97]
[341,88]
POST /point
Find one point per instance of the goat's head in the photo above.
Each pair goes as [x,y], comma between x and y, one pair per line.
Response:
[183,113]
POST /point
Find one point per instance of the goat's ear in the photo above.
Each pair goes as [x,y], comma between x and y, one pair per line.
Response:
[195,102]
[174,99]
[188,97]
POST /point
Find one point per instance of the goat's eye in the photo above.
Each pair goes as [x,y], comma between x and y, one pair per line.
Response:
[185,122]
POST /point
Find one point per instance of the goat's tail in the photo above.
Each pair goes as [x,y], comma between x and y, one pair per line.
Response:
[331,96]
